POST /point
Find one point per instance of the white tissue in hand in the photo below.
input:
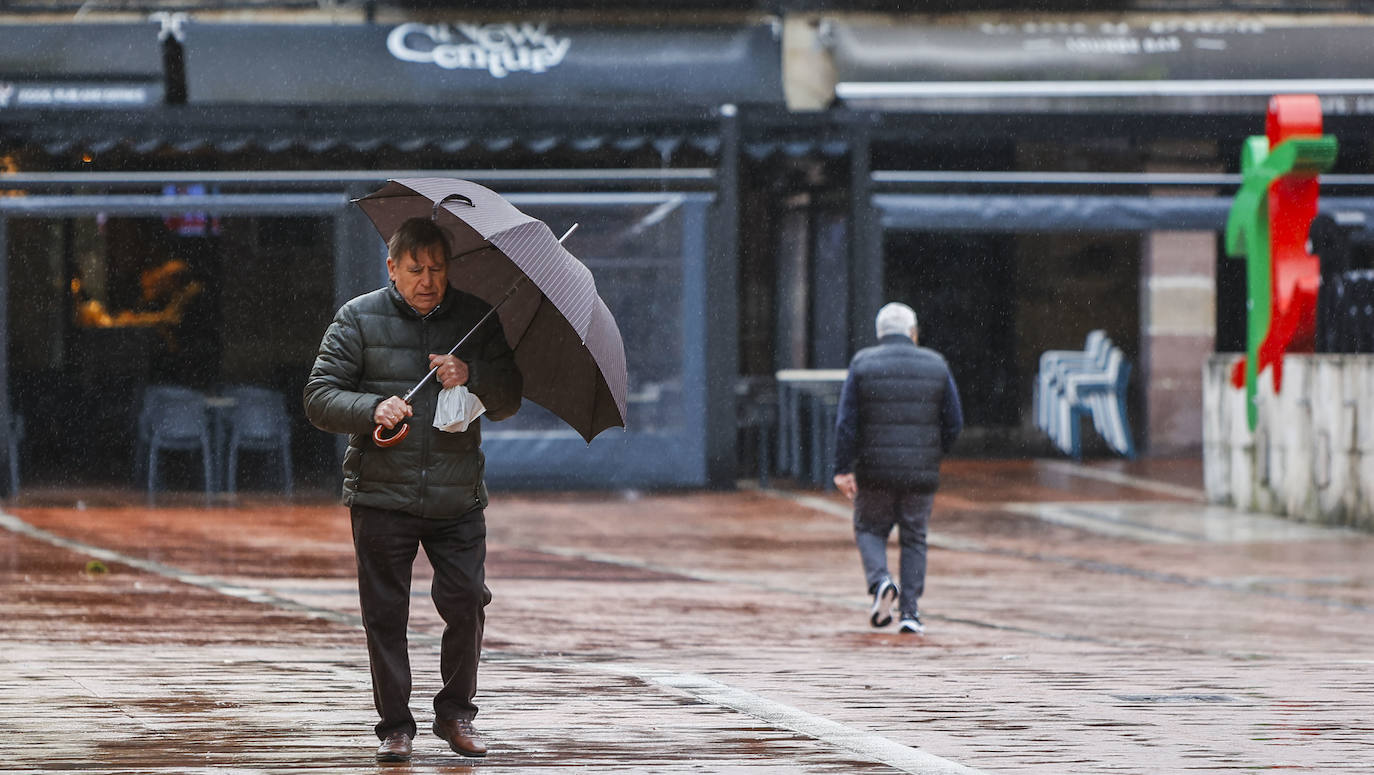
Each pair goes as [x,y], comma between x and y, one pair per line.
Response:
[457,409]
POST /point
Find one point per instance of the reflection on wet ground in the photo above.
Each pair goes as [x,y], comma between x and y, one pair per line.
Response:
[1177,523]
[1080,619]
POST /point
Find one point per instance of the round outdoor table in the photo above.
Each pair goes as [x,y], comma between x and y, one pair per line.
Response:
[814,393]
[221,409]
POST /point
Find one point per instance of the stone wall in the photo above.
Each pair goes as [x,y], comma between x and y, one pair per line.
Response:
[1311,455]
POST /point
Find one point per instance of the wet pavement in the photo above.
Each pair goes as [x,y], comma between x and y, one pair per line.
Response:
[1080,619]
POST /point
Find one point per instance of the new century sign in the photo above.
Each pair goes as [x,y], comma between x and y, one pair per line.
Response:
[499,49]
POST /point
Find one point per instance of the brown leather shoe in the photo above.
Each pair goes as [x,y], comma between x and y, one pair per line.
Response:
[395,748]
[461,736]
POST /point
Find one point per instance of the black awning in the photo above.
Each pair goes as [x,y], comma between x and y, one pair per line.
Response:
[271,141]
[518,63]
[827,148]
[1184,65]
[79,66]
[505,136]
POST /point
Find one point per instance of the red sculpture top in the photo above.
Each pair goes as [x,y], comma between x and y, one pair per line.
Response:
[1269,225]
[1292,206]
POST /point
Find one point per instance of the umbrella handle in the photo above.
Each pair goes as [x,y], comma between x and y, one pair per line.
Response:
[451,197]
[390,441]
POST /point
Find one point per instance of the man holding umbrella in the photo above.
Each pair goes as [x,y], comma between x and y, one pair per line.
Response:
[425,489]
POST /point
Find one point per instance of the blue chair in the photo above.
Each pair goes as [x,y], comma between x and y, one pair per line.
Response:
[1063,386]
[153,397]
[1101,395]
[1104,399]
[179,423]
[258,423]
[1055,365]
[1107,406]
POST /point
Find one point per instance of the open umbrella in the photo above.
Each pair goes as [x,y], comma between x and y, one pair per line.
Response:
[566,343]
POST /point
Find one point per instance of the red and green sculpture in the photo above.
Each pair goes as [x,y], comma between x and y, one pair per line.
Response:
[1268,226]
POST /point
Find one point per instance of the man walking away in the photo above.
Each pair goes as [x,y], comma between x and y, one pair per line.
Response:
[899,413]
[427,490]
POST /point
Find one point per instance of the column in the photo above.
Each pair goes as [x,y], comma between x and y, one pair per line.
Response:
[722,326]
[1178,332]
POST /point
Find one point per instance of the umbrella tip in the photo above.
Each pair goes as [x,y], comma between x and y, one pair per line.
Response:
[568,233]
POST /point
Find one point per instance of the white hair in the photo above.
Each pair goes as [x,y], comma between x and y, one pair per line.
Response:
[895,318]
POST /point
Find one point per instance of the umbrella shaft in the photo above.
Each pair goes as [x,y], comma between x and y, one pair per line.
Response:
[513,288]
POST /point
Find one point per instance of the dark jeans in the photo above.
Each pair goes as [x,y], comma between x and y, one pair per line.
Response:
[385,543]
[875,512]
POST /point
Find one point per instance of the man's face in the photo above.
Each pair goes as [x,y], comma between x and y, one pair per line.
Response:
[421,277]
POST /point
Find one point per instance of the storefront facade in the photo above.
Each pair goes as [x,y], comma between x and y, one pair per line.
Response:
[751,189]
[1024,179]
[243,182]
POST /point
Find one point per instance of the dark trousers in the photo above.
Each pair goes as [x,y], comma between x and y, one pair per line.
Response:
[875,513]
[385,543]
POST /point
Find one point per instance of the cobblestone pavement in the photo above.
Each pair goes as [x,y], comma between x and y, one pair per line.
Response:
[1081,619]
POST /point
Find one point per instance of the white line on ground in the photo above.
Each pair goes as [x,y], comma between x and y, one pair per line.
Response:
[1098,521]
[871,746]
[1116,477]
[16,525]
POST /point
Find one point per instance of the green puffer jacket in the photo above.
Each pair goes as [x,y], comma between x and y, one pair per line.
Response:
[378,346]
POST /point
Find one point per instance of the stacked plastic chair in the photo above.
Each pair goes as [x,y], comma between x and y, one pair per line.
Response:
[1053,363]
[1092,383]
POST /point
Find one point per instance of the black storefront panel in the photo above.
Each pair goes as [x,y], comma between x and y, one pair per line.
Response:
[460,64]
[1175,64]
[79,66]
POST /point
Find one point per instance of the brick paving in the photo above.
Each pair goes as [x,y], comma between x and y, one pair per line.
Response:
[1080,619]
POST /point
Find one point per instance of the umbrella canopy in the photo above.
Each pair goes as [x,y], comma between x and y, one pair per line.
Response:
[566,343]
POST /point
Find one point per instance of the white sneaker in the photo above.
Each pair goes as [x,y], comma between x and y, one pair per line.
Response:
[911,625]
[883,600]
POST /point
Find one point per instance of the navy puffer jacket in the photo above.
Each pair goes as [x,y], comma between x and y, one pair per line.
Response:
[899,412]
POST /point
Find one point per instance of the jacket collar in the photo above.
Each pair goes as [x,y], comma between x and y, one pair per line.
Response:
[404,306]
[890,339]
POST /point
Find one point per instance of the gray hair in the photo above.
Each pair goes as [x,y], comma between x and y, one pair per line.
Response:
[895,318]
